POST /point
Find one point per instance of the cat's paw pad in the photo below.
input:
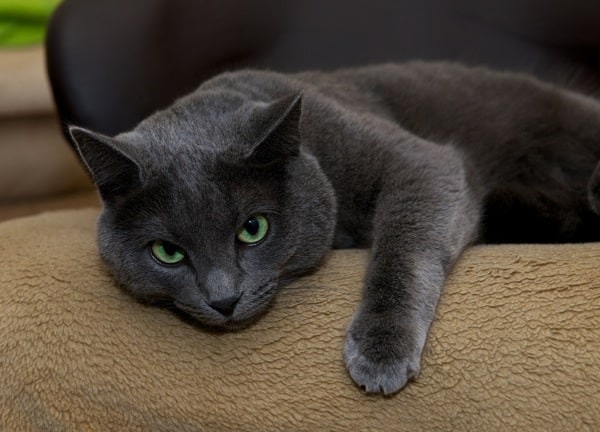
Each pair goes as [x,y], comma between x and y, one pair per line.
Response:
[380,366]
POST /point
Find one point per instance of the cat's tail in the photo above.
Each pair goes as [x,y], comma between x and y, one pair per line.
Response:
[593,190]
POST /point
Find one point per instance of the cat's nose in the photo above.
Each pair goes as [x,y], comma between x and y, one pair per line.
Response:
[225,306]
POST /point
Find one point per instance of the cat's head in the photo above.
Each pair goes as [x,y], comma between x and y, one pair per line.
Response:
[212,204]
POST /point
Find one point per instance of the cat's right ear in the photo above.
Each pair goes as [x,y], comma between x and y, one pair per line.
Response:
[280,124]
[114,172]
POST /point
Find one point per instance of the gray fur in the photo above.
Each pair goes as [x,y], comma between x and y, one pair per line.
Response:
[415,161]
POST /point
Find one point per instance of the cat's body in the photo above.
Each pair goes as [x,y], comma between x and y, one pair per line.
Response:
[243,185]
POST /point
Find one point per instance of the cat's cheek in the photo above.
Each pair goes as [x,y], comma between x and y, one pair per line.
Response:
[153,281]
[257,295]
[155,290]
[131,277]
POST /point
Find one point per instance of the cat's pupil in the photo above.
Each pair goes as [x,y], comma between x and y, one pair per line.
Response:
[169,248]
[252,226]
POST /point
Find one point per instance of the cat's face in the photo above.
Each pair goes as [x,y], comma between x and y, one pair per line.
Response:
[212,212]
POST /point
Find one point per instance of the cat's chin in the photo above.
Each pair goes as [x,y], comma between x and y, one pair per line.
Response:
[226,326]
[234,326]
[215,324]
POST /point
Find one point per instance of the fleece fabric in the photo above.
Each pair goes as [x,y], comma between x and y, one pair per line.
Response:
[515,346]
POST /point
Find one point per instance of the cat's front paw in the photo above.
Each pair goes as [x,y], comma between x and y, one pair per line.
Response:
[380,358]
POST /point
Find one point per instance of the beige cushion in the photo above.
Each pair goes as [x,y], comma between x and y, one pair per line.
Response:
[515,346]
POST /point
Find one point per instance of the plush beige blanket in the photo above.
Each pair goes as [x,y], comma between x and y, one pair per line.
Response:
[515,346]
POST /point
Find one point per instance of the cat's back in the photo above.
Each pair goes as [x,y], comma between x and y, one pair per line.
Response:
[358,87]
[405,89]
[403,92]
[435,100]
[449,102]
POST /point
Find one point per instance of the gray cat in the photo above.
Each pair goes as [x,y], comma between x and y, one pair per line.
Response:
[217,202]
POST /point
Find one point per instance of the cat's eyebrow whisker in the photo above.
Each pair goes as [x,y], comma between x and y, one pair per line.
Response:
[265,210]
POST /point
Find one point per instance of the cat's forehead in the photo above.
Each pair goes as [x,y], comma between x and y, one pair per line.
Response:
[188,202]
[212,120]
[190,153]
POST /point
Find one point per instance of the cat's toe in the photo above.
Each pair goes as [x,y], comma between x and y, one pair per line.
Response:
[378,368]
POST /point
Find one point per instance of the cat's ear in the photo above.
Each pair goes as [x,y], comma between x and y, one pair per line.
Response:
[281,140]
[114,172]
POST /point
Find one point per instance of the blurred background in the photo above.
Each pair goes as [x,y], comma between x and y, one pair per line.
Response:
[106,64]
[140,53]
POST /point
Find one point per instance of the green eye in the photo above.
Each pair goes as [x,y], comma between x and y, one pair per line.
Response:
[167,253]
[254,229]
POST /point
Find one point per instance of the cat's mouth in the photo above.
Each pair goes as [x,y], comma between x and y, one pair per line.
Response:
[233,323]
[249,310]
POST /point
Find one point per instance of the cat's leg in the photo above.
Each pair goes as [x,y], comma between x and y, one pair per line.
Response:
[426,214]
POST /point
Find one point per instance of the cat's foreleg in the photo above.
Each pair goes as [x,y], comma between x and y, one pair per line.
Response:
[425,216]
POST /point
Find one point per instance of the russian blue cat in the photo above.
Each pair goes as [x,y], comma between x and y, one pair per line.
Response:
[218,201]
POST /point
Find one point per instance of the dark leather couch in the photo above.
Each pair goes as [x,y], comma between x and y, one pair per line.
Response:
[112,62]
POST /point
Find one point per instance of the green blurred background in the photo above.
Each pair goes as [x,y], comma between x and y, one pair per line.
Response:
[23,22]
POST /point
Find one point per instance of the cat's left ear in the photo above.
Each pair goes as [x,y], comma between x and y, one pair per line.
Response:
[113,170]
[281,122]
